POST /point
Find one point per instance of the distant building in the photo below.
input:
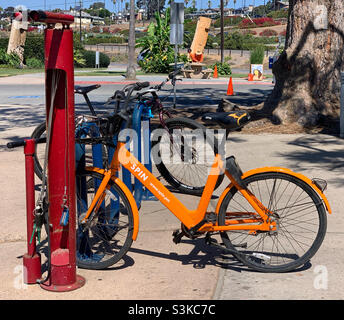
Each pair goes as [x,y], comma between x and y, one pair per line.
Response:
[86,19]
[212,13]
[244,11]
[282,5]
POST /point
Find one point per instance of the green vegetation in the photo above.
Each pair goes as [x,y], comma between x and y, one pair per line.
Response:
[34,54]
[104,39]
[9,60]
[159,53]
[228,21]
[239,41]
[278,14]
[90,59]
[223,69]
[7,72]
[257,55]
[34,63]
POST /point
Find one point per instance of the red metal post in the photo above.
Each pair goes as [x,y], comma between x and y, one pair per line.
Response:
[32,259]
[59,82]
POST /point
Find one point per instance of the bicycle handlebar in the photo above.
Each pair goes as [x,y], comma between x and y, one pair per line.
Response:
[171,76]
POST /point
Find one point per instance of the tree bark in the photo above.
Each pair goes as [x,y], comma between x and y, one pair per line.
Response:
[17,40]
[307,73]
[131,72]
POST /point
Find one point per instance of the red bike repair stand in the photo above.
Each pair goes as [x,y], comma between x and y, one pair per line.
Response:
[59,86]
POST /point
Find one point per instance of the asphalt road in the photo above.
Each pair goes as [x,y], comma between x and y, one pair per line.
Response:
[203,95]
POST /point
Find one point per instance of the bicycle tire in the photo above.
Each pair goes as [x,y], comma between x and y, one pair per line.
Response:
[175,175]
[107,236]
[295,242]
[40,132]
[39,149]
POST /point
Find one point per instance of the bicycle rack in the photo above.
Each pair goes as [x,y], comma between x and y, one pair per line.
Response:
[59,69]
[141,122]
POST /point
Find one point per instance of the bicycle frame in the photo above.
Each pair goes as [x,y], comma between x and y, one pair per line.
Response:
[190,218]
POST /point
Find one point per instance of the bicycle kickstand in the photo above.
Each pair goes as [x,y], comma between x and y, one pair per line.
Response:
[177,236]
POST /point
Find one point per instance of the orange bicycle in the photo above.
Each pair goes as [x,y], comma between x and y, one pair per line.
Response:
[271,219]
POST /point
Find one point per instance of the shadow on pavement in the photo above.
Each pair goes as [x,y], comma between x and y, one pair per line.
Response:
[319,151]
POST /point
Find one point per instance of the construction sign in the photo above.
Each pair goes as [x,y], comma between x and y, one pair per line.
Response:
[177,23]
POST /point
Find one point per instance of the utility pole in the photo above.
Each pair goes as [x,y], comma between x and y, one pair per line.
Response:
[80,21]
[222,32]
[131,72]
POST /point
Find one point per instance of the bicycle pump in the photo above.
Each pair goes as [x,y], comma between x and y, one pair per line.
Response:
[59,87]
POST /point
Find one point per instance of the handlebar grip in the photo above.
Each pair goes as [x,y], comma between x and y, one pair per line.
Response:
[16,144]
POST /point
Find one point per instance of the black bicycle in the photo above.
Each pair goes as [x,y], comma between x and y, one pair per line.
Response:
[181,162]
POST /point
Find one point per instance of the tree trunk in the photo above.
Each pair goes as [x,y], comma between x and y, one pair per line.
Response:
[307,73]
[131,72]
[17,40]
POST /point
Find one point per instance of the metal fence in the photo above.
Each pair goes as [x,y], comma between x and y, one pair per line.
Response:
[123,48]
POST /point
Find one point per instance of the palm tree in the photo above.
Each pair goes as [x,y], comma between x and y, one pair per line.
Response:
[131,72]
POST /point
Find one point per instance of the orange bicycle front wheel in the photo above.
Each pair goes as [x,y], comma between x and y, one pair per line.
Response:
[299,214]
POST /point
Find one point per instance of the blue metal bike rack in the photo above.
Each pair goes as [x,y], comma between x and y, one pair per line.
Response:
[141,116]
[141,120]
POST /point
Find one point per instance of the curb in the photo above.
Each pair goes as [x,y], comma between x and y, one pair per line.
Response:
[219,285]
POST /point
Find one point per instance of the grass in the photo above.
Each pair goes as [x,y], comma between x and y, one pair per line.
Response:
[8,72]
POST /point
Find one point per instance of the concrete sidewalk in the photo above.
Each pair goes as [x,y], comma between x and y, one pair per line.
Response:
[155,268]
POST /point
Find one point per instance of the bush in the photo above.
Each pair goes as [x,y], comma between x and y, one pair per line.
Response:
[257,55]
[228,21]
[34,63]
[248,31]
[98,40]
[90,59]
[34,48]
[259,22]
[278,14]
[268,33]
[223,69]
[11,60]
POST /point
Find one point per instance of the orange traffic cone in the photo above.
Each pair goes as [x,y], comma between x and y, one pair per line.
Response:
[250,77]
[215,75]
[230,87]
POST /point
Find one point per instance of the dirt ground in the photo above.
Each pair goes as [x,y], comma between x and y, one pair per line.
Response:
[265,125]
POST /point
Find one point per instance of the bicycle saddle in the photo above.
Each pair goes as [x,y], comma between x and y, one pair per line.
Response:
[86,89]
[229,120]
